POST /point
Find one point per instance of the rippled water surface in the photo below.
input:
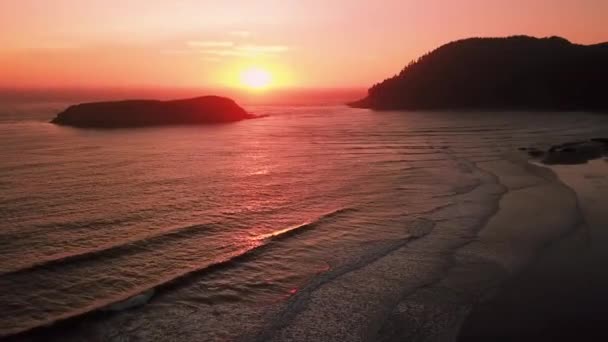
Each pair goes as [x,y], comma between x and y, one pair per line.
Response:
[228,222]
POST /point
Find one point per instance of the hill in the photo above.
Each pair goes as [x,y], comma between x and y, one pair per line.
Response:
[517,72]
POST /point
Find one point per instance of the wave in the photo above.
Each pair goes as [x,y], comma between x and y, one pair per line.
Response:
[138,300]
[114,249]
[290,231]
[140,296]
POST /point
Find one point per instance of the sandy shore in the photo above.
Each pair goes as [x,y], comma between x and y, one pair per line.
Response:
[563,295]
[535,209]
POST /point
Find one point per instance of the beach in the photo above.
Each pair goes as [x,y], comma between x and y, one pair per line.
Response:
[562,294]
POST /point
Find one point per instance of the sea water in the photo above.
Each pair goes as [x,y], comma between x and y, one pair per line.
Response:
[225,232]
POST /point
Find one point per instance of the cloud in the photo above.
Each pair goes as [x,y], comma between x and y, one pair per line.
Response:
[49,45]
[175,52]
[262,49]
[226,52]
[241,34]
[212,59]
[210,43]
[247,51]
[220,48]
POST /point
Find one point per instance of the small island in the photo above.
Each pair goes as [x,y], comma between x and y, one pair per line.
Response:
[141,113]
[513,73]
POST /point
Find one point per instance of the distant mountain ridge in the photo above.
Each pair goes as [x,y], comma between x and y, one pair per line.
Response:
[518,72]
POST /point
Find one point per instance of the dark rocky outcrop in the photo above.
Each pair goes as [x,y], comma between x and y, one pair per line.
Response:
[139,113]
[577,152]
[514,73]
[533,151]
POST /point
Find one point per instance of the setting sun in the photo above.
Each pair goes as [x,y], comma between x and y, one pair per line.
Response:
[256,78]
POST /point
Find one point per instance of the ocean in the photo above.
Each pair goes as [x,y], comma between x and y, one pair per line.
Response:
[313,223]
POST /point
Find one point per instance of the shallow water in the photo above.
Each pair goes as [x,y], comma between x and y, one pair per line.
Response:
[235,225]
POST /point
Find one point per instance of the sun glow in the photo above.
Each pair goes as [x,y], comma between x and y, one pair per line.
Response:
[256,78]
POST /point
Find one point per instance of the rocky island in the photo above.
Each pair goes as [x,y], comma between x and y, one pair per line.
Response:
[139,113]
[513,73]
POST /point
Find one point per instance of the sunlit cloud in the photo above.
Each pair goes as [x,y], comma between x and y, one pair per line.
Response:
[262,49]
[210,43]
[226,52]
[241,34]
[216,50]
[245,51]
[212,59]
[49,45]
[175,52]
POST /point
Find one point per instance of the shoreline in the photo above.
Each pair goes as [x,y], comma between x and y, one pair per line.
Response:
[561,294]
[502,248]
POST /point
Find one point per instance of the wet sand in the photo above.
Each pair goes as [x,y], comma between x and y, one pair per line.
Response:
[563,295]
[534,208]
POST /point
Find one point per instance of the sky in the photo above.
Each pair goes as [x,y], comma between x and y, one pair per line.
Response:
[300,43]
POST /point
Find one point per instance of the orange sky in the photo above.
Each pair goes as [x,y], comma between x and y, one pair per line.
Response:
[303,43]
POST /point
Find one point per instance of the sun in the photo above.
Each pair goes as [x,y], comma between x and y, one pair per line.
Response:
[256,78]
